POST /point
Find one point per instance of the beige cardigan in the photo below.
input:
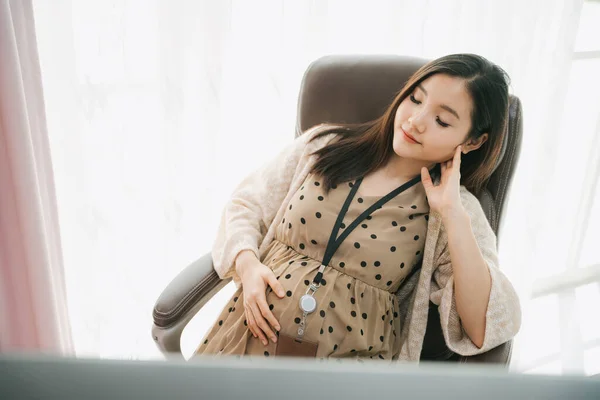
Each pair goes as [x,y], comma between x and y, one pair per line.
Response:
[258,203]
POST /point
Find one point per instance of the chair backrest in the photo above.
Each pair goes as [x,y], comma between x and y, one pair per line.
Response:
[351,89]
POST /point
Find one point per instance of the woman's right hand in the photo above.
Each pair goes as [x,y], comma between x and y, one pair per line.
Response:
[255,277]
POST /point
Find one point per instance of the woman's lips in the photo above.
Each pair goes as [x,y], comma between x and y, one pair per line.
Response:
[409,138]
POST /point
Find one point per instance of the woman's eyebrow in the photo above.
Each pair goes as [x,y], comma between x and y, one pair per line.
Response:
[445,107]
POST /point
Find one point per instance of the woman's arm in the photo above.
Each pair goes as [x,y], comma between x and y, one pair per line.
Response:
[252,207]
[472,280]
[479,308]
[474,318]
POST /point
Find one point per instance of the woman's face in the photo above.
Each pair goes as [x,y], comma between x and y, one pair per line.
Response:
[437,114]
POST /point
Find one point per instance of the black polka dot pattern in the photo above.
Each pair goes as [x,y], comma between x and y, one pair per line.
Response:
[356,288]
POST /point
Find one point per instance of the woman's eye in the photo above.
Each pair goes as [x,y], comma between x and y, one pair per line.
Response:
[438,120]
[442,123]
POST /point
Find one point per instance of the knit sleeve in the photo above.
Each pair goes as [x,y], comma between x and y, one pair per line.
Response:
[252,207]
[503,316]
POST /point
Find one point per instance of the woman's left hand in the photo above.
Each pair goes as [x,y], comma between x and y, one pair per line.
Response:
[445,197]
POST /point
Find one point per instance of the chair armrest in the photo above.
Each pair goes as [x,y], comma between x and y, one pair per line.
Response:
[179,302]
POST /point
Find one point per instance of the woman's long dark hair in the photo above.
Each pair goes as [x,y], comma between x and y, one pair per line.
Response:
[365,147]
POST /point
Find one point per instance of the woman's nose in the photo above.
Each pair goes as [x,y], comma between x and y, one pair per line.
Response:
[416,122]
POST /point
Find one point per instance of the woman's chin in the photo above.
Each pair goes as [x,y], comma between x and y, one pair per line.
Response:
[401,149]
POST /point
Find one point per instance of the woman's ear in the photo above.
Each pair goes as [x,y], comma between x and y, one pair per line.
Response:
[474,144]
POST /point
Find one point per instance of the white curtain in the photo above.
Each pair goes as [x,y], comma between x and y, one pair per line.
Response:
[157,109]
[33,304]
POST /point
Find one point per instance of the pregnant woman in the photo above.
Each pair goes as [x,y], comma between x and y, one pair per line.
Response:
[338,245]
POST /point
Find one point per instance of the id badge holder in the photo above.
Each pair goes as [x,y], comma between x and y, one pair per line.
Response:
[290,346]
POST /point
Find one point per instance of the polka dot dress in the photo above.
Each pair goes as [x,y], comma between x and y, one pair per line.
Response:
[357,310]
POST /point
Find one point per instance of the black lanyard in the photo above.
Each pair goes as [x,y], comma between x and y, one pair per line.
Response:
[334,243]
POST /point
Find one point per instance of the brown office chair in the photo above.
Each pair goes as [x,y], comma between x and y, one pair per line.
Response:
[344,89]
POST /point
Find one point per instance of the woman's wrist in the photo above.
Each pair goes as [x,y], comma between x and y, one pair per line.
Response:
[243,259]
[454,214]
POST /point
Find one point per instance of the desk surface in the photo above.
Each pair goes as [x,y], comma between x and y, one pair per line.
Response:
[38,376]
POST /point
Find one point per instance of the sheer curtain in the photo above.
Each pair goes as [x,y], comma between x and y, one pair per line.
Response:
[33,304]
[156,109]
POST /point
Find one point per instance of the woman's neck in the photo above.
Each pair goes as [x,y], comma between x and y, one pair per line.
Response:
[402,169]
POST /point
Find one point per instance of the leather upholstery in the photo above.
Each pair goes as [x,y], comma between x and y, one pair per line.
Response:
[346,89]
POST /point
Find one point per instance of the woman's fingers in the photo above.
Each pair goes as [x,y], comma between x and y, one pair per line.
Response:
[255,328]
[250,322]
[458,155]
[262,323]
[267,314]
[256,283]
[272,281]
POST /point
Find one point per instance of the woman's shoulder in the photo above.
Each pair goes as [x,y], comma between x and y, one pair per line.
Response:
[479,222]
[315,137]
[468,198]
[479,219]
[471,203]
